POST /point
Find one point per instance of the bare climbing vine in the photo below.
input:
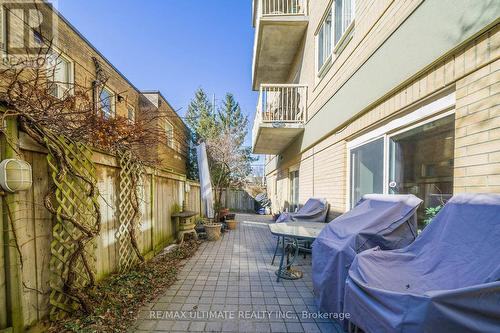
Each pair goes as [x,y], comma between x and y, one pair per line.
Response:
[53,113]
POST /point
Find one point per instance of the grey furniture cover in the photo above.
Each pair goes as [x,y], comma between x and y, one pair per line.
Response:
[446,281]
[314,210]
[388,221]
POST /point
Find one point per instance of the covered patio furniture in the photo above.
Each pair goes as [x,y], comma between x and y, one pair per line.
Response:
[386,221]
[314,210]
[448,280]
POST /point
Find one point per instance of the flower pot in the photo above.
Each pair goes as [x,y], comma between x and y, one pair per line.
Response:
[213,231]
[222,213]
[230,216]
[231,224]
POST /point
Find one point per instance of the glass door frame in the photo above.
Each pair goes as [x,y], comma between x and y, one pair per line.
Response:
[350,166]
[438,109]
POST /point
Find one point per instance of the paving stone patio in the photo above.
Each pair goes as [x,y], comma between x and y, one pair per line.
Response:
[232,280]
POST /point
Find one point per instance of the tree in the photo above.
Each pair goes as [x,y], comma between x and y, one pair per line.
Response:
[229,161]
[231,117]
[224,133]
[201,118]
[201,121]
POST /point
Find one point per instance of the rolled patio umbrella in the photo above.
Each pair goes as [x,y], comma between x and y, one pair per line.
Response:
[205,182]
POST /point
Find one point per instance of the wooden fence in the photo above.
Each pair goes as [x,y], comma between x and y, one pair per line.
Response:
[24,291]
[237,200]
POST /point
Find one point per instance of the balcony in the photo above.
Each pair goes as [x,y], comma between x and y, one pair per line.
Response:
[280,117]
[280,26]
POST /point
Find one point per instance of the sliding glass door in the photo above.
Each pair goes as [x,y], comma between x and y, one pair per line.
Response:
[294,190]
[421,162]
[367,170]
[416,160]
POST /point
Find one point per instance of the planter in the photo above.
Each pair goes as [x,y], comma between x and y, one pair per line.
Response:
[222,214]
[230,216]
[213,231]
[231,224]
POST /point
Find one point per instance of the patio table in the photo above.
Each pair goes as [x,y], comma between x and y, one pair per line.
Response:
[293,231]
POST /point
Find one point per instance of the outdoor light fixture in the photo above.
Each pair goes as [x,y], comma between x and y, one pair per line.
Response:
[15,175]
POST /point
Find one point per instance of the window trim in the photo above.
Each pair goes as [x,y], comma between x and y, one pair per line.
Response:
[437,109]
[170,141]
[321,70]
[344,39]
[71,75]
[3,31]
[112,103]
[339,46]
[129,107]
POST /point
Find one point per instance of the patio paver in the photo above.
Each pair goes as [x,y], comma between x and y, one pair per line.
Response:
[232,280]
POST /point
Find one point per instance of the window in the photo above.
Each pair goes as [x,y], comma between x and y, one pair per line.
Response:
[294,190]
[421,163]
[415,160]
[169,129]
[131,114]
[3,30]
[335,25]
[106,100]
[367,170]
[344,15]
[324,40]
[60,74]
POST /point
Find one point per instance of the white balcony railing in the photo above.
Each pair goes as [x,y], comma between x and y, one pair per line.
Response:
[280,7]
[281,104]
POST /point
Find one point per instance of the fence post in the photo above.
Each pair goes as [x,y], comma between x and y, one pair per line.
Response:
[153,209]
[13,273]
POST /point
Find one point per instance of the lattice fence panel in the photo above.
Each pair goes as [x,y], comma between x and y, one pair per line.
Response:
[72,198]
[130,175]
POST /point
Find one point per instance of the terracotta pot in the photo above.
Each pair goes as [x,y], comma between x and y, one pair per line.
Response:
[231,224]
[213,231]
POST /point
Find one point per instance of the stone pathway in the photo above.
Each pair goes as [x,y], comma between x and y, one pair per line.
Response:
[230,286]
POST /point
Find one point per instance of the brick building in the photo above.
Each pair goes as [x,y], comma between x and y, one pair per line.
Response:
[77,62]
[379,96]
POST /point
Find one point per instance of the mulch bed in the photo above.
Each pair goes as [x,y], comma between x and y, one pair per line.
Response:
[116,300]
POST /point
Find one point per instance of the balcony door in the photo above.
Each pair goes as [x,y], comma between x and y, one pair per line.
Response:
[367,169]
[421,162]
[417,159]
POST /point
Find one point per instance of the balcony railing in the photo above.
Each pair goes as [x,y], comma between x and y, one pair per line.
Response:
[281,104]
[280,7]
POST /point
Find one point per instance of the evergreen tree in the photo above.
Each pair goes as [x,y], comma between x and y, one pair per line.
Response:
[231,117]
[201,118]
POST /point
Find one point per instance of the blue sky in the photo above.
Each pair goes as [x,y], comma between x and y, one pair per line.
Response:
[174,46]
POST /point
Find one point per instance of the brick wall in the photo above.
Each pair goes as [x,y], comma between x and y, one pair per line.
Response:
[477,153]
[473,71]
[72,45]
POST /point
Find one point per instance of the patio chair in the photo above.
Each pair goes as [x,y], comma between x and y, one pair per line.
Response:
[448,280]
[314,210]
[386,221]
